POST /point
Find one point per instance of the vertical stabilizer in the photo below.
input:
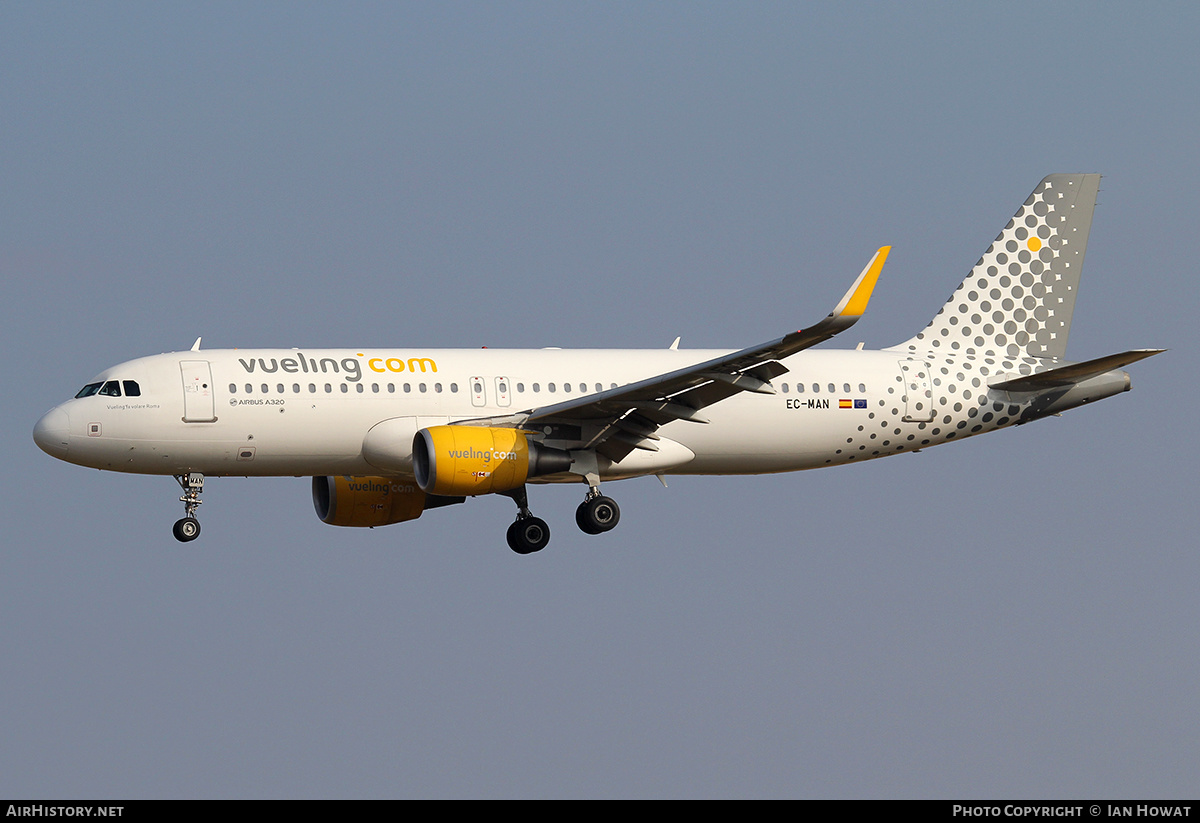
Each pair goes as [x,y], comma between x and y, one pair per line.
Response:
[1019,298]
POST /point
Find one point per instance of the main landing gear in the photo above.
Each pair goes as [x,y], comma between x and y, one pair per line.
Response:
[597,513]
[528,534]
[188,529]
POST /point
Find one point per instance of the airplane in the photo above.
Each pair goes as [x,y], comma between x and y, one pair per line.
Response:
[387,434]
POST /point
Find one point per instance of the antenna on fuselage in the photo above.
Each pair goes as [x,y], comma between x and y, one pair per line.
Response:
[196,345]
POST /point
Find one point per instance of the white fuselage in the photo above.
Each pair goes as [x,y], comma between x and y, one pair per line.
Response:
[275,412]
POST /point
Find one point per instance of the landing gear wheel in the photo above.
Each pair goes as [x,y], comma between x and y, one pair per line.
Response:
[186,530]
[597,515]
[528,535]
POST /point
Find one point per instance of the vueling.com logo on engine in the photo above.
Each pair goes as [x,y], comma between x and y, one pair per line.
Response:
[485,456]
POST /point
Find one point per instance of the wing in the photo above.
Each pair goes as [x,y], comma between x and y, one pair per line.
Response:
[619,420]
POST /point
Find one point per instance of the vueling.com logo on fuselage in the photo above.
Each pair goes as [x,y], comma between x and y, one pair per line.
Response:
[351,367]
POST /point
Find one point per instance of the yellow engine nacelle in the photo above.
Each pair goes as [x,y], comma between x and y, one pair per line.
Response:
[471,460]
[370,501]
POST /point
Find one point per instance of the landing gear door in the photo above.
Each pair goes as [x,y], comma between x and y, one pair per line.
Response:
[198,406]
[918,391]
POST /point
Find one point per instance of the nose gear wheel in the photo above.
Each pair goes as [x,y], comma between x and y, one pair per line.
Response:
[188,528]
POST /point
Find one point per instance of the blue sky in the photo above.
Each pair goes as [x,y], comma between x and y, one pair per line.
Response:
[1010,617]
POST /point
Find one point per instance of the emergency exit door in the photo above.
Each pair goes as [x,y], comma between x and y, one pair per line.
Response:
[198,406]
[918,391]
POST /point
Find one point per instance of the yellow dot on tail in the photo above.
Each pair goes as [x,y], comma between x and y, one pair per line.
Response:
[1034,244]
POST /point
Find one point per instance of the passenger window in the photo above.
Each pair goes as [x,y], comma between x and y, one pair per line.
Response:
[536,388]
[358,387]
[345,388]
[233,388]
[520,388]
[550,388]
[454,388]
[599,387]
[312,388]
[437,387]
[800,388]
[407,388]
[567,388]
[421,387]
[328,388]
[132,389]
[785,388]
[391,388]
[89,390]
[375,388]
[111,389]
[249,389]
[295,388]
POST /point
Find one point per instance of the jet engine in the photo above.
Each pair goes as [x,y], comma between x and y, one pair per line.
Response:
[371,501]
[471,460]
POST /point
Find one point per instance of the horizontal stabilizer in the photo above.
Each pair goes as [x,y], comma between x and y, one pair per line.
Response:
[1074,373]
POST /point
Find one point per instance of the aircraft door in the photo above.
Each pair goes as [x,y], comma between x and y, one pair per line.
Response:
[918,391]
[503,392]
[478,392]
[198,406]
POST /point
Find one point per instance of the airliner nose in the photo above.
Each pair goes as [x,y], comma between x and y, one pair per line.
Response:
[51,431]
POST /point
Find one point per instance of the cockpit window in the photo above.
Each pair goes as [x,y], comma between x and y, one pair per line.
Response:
[132,389]
[111,389]
[89,390]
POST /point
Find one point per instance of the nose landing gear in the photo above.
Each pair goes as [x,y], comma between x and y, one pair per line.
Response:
[188,528]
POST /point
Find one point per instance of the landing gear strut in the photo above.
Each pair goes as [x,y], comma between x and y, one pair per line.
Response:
[597,513]
[527,534]
[188,529]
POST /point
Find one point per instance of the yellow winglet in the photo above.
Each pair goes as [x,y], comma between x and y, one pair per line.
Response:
[854,304]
